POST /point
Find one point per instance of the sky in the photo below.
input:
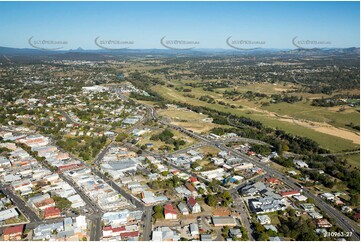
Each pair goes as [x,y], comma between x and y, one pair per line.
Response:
[142,25]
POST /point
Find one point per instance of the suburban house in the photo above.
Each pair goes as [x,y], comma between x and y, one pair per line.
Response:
[192,189]
[194,230]
[52,212]
[13,233]
[300,164]
[290,193]
[323,223]
[193,205]
[264,219]
[328,196]
[170,212]
[183,208]
[273,180]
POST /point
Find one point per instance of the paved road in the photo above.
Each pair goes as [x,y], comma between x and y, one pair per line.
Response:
[242,210]
[102,153]
[23,207]
[96,229]
[147,220]
[147,224]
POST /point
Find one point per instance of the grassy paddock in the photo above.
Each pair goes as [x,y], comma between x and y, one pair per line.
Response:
[330,142]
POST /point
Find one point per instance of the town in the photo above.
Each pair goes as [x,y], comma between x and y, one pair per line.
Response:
[101,159]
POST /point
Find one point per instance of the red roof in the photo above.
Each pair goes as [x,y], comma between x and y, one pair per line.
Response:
[192,201]
[190,187]
[107,228]
[119,229]
[14,230]
[169,209]
[193,179]
[357,216]
[51,212]
[69,167]
[290,193]
[273,180]
[129,234]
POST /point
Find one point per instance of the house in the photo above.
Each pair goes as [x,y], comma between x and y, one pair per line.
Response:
[300,198]
[194,230]
[346,209]
[223,154]
[52,212]
[273,181]
[183,191]
[222,221]
[264,219]
[292,173]
[308,207]
[323,223]
[47,203]
[192,189]
[339,202]
[183,208]
[315,215]
[217,161]
[164,234]
[13,233]
[328,196]
[270,227]
[170,212]
[290,193]
[193,205]
[300,164]
[193,179]
[235,233]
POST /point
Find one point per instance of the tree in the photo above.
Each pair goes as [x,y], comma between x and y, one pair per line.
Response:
[61,202]
[211,200]
[158,209]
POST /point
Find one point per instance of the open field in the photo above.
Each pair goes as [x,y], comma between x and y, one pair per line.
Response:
[330,140]
[209,149]
[302,110]
[188,119]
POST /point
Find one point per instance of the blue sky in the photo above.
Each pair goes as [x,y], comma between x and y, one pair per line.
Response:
[145,23]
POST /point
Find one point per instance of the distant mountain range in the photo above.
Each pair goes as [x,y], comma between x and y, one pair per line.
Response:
[81,54]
